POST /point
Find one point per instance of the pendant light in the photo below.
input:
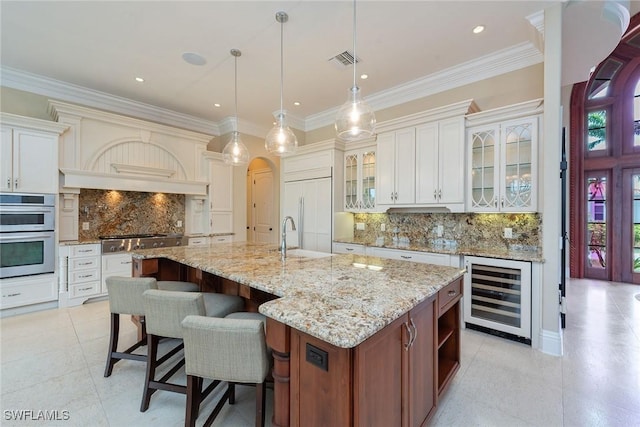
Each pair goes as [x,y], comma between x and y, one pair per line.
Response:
[281,139]
[355,119]
[235,152]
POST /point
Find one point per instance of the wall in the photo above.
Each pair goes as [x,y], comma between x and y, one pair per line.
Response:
[506,89]
[465,229]
[128,212]
[24,103]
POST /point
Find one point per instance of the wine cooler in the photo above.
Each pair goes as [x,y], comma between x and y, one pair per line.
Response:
[497,296]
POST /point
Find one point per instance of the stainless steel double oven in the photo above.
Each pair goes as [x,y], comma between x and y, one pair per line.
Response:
[27,240]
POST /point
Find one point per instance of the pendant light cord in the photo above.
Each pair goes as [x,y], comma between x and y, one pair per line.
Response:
[355,58]
[281,69]
[236,89]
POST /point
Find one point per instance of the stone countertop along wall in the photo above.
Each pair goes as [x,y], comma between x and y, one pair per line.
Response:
[129,212]
[459,230]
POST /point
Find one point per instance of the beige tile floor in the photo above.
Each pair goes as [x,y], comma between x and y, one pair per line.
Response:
[54,360]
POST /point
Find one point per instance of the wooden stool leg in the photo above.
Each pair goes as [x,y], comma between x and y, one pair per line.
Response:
[194,389]
[232,393]
[113,343]
[152,356]
[261,395]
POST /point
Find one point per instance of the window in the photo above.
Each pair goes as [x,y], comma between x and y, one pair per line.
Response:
[597,130]
[636,116]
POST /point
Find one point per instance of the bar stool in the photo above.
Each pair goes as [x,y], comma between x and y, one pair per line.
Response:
[164,312]
[125,297]
[232,349]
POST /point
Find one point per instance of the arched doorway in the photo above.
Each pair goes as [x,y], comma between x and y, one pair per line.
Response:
[262,209]
[605,167]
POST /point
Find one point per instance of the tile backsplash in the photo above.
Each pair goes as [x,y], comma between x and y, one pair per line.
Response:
[462,229]
[111,212]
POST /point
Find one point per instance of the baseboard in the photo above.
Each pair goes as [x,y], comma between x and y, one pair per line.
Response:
[551,342]
[8,312]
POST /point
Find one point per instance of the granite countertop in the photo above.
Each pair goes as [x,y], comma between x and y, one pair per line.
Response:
[80,242]
[513,253]
[341,299]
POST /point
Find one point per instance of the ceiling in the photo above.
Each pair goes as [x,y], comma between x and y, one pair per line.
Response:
[85,50]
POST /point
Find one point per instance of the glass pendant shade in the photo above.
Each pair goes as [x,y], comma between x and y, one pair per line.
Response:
[235,152]
[355,119]
[281,139]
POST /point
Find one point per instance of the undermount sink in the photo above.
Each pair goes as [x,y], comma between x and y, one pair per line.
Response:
[305,253]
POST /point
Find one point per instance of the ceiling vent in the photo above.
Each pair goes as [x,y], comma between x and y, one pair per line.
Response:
[344,59]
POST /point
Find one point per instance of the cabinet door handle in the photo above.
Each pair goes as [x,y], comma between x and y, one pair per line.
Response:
[86,289]
[9,183]
[440,194]
[16,184]
[410,332]
[415,332]
[85,263]
[405,257]
[451,293]
[349,249]
[84,276]
[125,262]
[435,194]
[11,295]
[502,202]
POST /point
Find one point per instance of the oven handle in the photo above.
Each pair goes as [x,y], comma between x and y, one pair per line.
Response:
[25,237]
[30,209]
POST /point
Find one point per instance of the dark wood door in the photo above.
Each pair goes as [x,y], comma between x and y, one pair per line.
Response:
[380,378]
[422,381]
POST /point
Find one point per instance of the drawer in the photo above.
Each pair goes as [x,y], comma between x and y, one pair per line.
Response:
[84,250]
[84,289]
[221,239]
[84,263]
[23,291]
[198,241]
[449,295]
[348,248]
[83,276]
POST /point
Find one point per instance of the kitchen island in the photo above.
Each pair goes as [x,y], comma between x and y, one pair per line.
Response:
[356,340]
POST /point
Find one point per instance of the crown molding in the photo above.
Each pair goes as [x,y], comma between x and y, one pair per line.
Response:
[504,61]
[229,124]
[32,123]
[22,80]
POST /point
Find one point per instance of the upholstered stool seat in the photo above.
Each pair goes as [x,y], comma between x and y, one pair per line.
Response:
[232,349]
[164,312]
[125,297]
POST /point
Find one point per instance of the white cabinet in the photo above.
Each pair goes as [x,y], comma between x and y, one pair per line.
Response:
[22,291]
[308,202]
[221,239]
[415,256]
[349,248]
[220,197]
[503,159]
[29,161]
[360,179]
[80,273]
[116,265]
[440,161]
[396,167]
[198,241]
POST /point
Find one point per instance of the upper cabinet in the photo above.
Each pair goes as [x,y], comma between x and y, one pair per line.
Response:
[440,164]
[503,159]
[360,179]
[29,155]
[220,197]
[396,167]
[421,159]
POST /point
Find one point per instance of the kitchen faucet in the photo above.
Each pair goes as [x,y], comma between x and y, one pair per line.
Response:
[283,245]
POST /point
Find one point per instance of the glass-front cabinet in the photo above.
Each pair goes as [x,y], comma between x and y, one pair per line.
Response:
[503,166]
[360,179]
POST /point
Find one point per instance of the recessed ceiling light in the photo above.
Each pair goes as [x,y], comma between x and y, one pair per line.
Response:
[296,103]
[193,58]
[139,79]
[478,29]
[364,76]
[216,105]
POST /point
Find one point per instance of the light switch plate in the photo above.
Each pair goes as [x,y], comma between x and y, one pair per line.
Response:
[85,226]
[178,223]
[359,225]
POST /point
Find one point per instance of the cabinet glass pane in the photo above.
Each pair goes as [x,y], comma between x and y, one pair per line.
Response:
[351,181]
[482,169]
[368,180]
[516,188]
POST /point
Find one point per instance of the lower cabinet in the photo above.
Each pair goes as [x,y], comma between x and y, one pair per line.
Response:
[448,333]
[22,291]
[116,265]
[388,380]
[79,273]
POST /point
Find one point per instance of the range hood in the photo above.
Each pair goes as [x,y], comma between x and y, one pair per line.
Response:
[131,178]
